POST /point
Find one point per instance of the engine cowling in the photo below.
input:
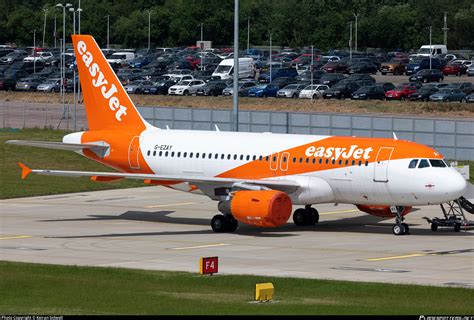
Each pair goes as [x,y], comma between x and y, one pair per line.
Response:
[263,208]
[382,211]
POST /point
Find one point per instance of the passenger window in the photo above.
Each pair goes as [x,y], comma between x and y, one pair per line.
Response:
[274,158]
[185,154]
[320,160]
[333,161]
[216,156]
[241,157]
[424,164]
[179,154]
[228,157]
[235,157]
[301,160]
[166,153]
[353,162]
[160,154]
[254,158]
[314,160]
[413,164]
[367,163]
[340,162]
[360,163]
[148,153]
[266,158]
[347,162]
[222,156]
[197,155]
[294,159]
[327,161]
[307,160]
[210,156]
[190,154]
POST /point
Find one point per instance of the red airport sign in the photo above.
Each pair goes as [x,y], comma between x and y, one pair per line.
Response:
[208,265]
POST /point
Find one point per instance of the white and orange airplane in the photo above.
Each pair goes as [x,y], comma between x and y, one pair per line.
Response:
[256,177]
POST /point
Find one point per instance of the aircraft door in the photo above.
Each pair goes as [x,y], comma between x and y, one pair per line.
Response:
[134,152]
[381,164]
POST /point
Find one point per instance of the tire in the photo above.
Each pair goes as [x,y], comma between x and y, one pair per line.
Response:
[463,100]
[457,227]
[383,73]
[294,96]
[52,90]
[407,228]
[398,230]
[402,98]
[315,96]
[186,93]
[219,223]
[299,217]
[211,93]
[314,216]
[458,74]
[434,227]
[232,223]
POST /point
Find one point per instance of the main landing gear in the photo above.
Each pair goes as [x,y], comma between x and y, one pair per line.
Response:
[399,228]
[224,223]
[306,217]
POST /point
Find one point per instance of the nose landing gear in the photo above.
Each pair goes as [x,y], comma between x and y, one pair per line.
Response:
[399,228]
[306,217]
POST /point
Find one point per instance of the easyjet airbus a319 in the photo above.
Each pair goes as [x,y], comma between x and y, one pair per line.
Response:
[255,177]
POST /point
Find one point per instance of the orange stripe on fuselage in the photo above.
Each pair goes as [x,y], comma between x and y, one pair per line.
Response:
[334,152]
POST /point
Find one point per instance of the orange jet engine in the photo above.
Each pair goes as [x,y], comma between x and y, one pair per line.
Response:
[264,208]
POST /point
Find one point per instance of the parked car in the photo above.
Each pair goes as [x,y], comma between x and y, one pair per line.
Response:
[17,55]
[341,90]
[137,86]
[422,63]
[28,84]
[448,94]
[212,88]
[50,85]
[277,73]
[466,87]
[363,67]
[306,76]
[427,75]
[42,56]
[7,83]
[369,93]
[401,92]
[455,68]
[395,66]
[263,90]
[186,87]
[470,98]
[331,79]
[291,91]
[423,94]
[160,86]
[244,87]
[283,81]
[139,62]
[470,70]
[386,86]
[314,91]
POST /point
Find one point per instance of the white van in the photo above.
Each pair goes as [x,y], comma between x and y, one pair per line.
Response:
[121,58]
[433,50]
[225,69]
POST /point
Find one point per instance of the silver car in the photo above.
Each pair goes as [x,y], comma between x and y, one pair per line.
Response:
[50,85]
[470,70]
[290,91]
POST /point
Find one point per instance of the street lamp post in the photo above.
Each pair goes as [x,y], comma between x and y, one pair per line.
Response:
[63,51]
[248,34]
[311,69]
[44,27]
[270,58]
[74,68]
[149,28]
[235,94]
[108,29]
[34,51]
[431,49]
[201,46]
[350,41]
[55,32]
[356,16]
[79,10]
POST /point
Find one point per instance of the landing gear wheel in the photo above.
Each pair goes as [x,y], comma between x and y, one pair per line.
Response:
[299,217]
[312,216]
[407,228]
[434,227]
[398,229]
[457,227]
[219,223]
[232,224]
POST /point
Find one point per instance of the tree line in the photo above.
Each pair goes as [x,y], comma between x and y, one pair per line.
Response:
[381,24]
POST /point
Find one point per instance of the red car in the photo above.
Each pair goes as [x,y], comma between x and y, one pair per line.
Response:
[401,92]
[455,67]
[195,61]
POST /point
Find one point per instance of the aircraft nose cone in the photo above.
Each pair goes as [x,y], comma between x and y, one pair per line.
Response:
[457,185]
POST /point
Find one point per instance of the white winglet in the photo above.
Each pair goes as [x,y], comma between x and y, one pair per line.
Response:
[217,128]
[394,136]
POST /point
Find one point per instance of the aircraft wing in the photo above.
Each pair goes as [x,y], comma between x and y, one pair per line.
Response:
[108,176]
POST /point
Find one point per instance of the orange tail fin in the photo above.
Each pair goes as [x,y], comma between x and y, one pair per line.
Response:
[108,106]
[25,171]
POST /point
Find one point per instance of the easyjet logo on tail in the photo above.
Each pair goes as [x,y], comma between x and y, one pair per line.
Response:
[99,81]
[334,153]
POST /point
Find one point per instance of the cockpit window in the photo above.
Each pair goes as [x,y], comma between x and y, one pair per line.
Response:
[424,164]
[437,163]
[413,164]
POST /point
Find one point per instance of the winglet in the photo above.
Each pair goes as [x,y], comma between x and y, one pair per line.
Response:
[25,171]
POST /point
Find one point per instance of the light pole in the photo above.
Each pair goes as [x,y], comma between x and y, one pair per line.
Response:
[34,51]
[201,46]
[108,29]
[350,41]
[63,64]
[270,58]
[431,49]
[445,29]
[44,27]
[248,34]
[149,28]
[311,69]
[235,95]
[74,68]
[79,10]
[55,32]
[356,16]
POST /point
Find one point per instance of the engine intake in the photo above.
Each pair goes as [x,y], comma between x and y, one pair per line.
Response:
[263,208]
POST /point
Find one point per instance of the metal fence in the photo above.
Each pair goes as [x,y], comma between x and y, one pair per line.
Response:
[453,137]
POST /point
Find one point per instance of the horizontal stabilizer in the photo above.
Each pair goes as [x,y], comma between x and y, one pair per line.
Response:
[57,145]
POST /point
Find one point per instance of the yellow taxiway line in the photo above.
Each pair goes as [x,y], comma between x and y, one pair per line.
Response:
[341,211]
[15,237]
[170,205]
[203,246]
[399,257]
